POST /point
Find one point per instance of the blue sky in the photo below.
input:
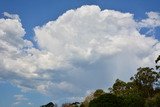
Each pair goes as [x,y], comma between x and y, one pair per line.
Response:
[34,16]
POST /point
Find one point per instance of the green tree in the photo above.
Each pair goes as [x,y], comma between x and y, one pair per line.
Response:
[157,99]
[121,88]
[98,93]
[118,87]
[153,101]
[133,100]
[145,79]
[106,100]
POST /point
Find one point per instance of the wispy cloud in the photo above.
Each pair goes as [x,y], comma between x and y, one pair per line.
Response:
[12,16]
[152,21]
[20,99]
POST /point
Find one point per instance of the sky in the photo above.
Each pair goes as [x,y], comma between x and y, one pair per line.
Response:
[62,50]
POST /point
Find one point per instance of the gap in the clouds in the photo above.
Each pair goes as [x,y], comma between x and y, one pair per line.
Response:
[157,33]
[147,32]
[151,32]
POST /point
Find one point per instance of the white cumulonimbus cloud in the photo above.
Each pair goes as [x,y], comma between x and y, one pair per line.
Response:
[84,49]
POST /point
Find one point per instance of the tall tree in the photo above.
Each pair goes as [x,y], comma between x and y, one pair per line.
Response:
[118,87]
[98,93]
[145,79]
[106,100]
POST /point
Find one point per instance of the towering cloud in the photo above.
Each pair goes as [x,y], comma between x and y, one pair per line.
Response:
[82,50]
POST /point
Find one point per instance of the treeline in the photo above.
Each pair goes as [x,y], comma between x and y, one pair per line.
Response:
[143,90]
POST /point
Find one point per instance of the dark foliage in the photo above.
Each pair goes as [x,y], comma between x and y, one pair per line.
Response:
[133,100]
[48,105]
[107,100]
